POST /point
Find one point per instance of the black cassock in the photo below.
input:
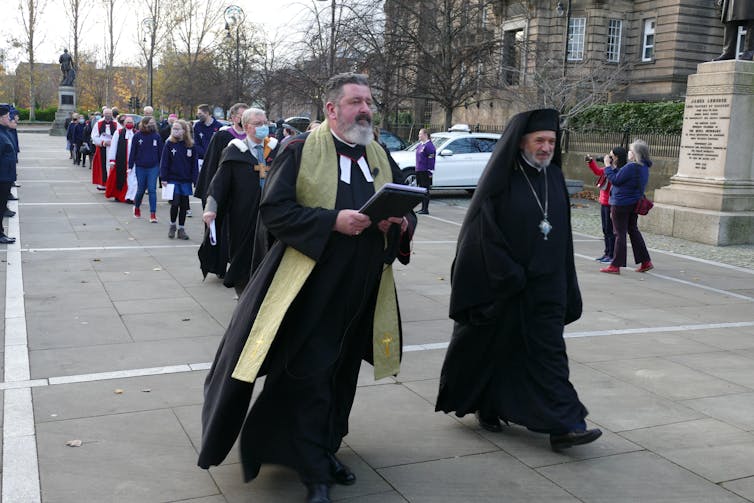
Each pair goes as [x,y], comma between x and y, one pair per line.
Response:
[312,367]
[509,359]
[213,259]
[236,189]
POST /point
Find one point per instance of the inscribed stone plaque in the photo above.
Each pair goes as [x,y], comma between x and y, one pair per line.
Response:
[66,99]
[705,135]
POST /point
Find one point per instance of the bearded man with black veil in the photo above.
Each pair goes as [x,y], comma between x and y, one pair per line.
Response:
[322,300]
[513,288]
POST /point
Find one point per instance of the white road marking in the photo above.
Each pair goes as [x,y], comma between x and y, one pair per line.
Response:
[20,464]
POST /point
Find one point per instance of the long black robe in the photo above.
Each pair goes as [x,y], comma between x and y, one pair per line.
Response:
[313,364]
[236,189]
[213,259]
[512,293]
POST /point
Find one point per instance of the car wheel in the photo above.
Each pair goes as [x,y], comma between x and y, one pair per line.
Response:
[409,177]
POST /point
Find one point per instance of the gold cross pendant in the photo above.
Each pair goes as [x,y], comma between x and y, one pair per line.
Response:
[262,169]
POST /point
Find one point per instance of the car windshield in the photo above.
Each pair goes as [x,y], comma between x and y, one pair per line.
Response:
[437,140]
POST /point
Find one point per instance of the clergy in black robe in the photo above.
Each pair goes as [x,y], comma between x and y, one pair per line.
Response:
[322,300]
[514,288]
[213,258]
[234,193]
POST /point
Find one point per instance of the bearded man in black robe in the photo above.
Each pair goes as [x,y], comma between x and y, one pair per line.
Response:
[235,190]
[322,300]
[513,289]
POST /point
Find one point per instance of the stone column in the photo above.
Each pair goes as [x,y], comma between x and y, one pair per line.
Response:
[711,198]
[66,106]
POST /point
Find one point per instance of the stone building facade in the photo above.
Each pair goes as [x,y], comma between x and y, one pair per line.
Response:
[618,50]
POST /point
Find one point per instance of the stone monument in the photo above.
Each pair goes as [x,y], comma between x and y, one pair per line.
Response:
[711,198]
[66,94]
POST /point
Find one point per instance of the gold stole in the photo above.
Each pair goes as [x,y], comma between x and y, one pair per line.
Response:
[317,186]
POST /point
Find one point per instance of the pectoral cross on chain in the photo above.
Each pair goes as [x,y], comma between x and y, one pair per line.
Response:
[262,169]
[386,341]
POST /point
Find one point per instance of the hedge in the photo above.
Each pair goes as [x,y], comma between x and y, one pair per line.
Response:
[661,117]
[41,114]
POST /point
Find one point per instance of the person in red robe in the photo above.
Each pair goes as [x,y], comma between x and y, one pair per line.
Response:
[117,155]
[102,136]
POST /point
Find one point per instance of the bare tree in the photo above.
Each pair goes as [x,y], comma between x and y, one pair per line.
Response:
[454,49]
[194,28]
[374,46]
[110,48]
[31,10]
[152,29]
[77,12]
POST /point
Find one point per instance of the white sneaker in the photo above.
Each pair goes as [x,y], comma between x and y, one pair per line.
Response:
[188,213]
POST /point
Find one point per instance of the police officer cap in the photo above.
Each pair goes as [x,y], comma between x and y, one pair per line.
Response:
[546,119]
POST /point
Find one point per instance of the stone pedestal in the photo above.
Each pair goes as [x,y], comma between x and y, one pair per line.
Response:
[711,198]
[66,106]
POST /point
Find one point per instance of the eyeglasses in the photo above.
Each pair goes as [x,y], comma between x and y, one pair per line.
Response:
[257,124]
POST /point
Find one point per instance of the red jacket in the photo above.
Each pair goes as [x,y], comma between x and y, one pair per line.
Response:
[601,182]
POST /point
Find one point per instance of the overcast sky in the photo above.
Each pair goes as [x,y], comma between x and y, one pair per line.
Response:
[54,31]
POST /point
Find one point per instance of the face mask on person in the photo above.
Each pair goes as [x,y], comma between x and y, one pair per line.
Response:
[129,125]
[261,132]
[81,121]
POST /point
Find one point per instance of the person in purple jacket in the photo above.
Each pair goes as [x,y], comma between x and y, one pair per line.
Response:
[425,164]
[179,167]
[146,150]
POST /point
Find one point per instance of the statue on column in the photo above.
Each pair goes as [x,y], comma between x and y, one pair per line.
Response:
[737,13]
[66,66]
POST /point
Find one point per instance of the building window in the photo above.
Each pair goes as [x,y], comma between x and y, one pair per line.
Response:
[614,33]
[427,118]
[648,48]
[740,42]
[576,38]
[512,41]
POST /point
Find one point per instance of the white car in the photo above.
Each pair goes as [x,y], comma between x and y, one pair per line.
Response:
[459,162]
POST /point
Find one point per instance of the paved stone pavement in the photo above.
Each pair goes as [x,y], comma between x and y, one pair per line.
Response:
[109,329]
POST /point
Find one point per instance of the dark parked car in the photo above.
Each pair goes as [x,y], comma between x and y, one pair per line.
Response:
[391,141]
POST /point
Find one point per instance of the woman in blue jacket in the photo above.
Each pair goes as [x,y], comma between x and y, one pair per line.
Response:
[146,148]
[629,183]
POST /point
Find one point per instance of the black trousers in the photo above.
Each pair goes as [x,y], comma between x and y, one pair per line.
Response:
[424,179]
[625,223]
[4,192]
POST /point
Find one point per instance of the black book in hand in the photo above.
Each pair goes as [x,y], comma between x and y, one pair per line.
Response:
[393,200]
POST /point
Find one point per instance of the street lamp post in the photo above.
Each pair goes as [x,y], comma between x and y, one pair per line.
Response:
[332,36]
[235,16]
[148,26]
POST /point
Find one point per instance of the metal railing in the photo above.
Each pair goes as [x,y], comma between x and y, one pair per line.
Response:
[600,142]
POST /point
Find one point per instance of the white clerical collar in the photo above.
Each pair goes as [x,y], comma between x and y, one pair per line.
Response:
[342,140]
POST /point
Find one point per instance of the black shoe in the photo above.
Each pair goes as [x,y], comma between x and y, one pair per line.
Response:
[12,198]
[747,56]
[340,472]
[6,240]
[489,423]
[558,442]
[422,212]
[318,493]
[9,213]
